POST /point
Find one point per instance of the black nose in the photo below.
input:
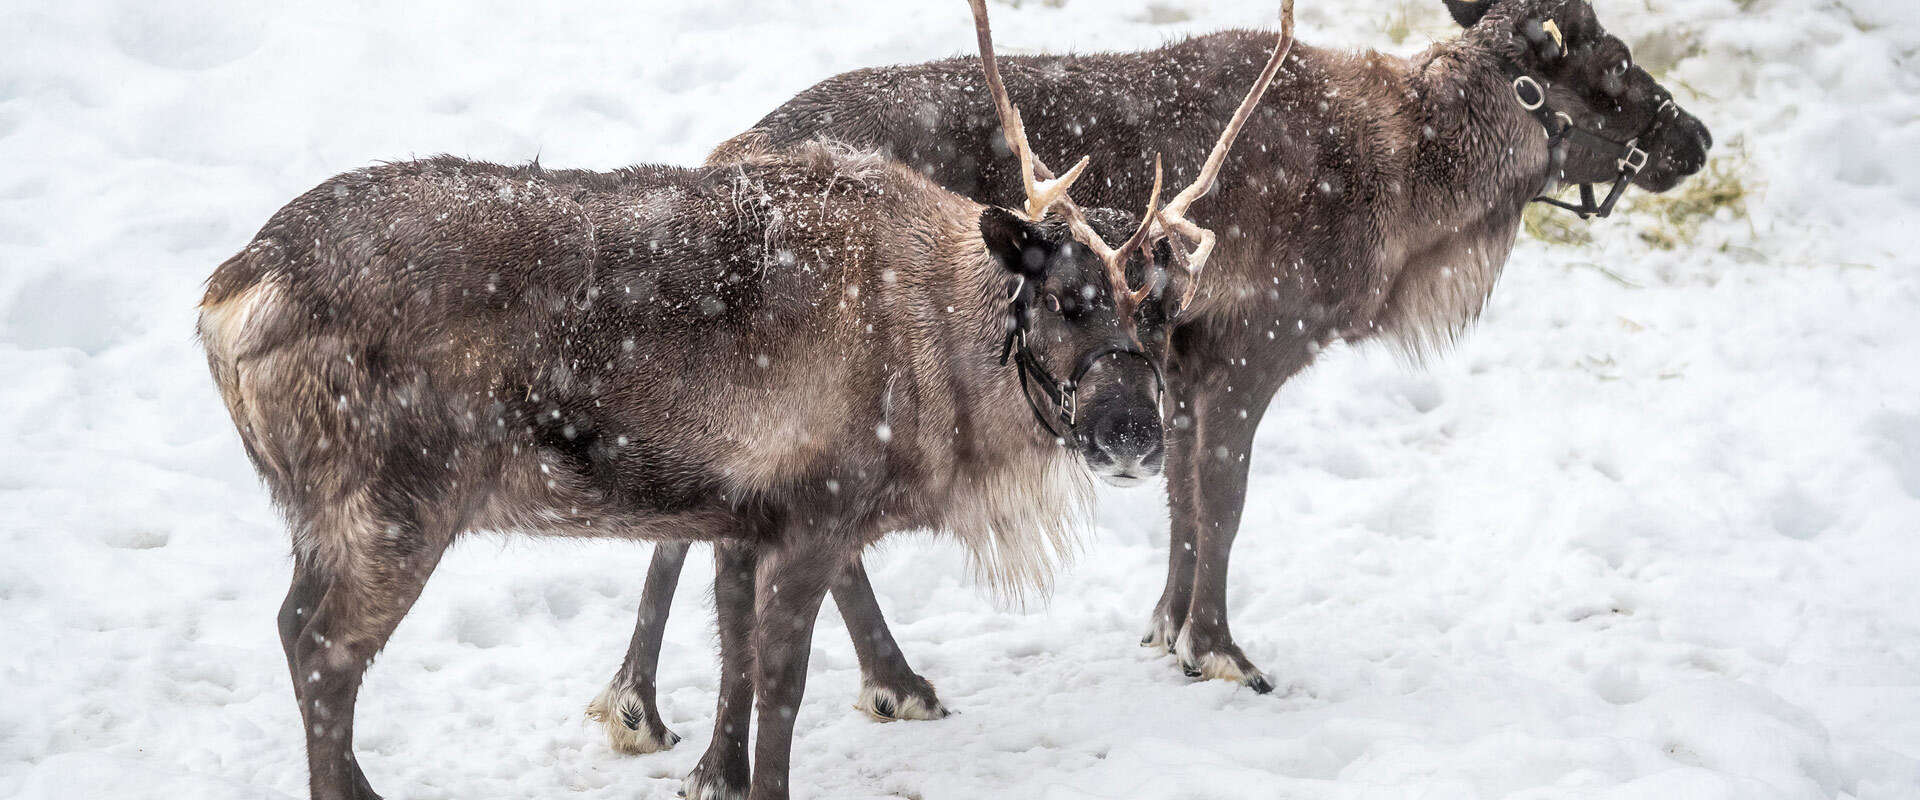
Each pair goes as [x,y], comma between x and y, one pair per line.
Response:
[1698,140]
[1129,437]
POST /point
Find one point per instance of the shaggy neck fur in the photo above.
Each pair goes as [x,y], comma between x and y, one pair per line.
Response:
[1478,158]
[1017,500]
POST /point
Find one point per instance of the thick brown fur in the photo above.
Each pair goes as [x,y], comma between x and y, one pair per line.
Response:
[1370,197]
[794,354]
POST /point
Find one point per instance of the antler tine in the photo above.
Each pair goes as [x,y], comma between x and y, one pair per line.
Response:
[1043,189]
[1046,192]
[1118,266]
[1174,216]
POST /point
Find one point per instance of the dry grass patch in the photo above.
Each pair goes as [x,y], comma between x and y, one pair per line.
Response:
[1666,221]
[1410,18]
[1555,226]
[1673,220]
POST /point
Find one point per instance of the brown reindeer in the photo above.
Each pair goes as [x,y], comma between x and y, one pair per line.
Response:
[789,356]
[1376,197]
[724,768]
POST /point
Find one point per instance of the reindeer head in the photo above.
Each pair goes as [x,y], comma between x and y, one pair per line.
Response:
[1589,76]
[1082,349]
[1110,302]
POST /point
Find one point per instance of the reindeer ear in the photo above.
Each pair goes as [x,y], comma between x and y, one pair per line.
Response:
[1468,12]
[1160,272]
[1163,254]
[1173,284]
[1545,37]
[1016,243]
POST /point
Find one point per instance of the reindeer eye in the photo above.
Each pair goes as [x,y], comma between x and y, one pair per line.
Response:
[1614,80]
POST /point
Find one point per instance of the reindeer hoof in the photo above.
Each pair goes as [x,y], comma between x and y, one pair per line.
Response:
[632,727]
[890,703]
[704,784]
[1224,662]
[1162,635]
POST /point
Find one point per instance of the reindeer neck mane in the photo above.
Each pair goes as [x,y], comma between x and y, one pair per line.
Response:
[1472,160]
[1018,501]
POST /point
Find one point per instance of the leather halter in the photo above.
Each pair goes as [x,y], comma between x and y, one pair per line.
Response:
[1561,131]
[1061,394]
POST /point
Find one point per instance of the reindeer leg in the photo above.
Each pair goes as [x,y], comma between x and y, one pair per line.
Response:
[889,688]
[629,707]
[724,771]
[792,581]
[1183,482]
[334,622]
[303,599]
[1225,423]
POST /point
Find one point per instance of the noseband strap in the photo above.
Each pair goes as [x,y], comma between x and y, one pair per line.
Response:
[1628,157]
[1063,396]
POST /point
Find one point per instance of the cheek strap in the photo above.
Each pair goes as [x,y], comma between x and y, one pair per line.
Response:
[1062,395]
[1628,157]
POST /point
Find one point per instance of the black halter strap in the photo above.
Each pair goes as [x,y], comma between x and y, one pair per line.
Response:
[1062,395]
[1627,156]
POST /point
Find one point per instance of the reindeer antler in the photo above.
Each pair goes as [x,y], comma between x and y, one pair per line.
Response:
[1046,192]
[1042,194]
[1174,216]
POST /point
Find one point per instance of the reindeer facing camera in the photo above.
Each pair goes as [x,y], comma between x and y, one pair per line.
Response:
[789,356]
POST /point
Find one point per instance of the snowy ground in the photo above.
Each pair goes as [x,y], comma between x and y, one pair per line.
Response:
[1653,531]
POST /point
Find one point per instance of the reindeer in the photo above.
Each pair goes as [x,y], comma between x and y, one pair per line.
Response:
[1377,199]
[724,768]
[891,690]
[789,356]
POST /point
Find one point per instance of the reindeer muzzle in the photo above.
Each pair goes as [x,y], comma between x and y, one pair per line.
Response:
[1628,157]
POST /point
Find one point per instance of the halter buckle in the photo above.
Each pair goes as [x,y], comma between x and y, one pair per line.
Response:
[1635,161]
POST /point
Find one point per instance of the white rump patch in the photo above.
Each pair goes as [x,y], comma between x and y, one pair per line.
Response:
[225,327]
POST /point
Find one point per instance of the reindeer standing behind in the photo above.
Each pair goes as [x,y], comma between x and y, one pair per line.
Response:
[1375,198]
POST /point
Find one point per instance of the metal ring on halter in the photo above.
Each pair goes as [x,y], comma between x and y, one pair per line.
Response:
[1539,94]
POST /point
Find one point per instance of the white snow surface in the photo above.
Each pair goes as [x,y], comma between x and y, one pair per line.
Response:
[1651,531]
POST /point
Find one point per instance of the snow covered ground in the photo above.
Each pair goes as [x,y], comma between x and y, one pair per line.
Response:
[1652,531]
